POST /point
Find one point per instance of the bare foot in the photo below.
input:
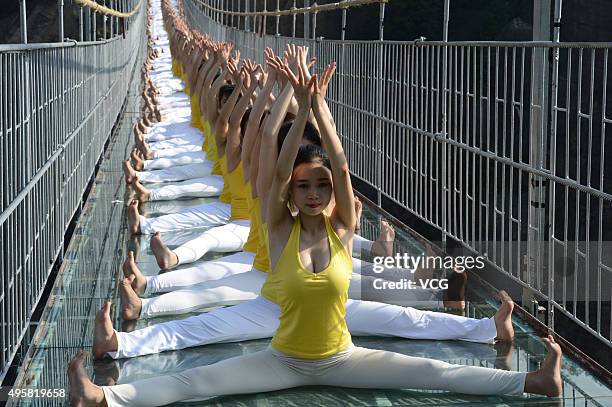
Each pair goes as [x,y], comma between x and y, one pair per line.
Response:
[105,339]
[138,162]
[454,295]
[141,192]
[165,257]
[147,152]
[139,283]
[547,379]
[383,246]
[503,317]
[130,302]
[128,172]
[141,126]
[139,140]
[133,217]
[137,134]
[82,391]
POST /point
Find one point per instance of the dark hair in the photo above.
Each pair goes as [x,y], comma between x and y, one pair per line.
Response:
[289,117]
[226,90]
[311,153]
[244,122]
[310,133]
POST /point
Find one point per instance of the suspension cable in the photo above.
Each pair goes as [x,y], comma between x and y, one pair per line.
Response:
[293,10]
[98,8]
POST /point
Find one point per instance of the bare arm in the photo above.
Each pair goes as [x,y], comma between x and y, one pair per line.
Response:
[344,211]
[252,129]
[279,191]
[268,155]
[233,150]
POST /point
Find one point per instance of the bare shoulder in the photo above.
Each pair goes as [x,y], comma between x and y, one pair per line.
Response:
[344,233]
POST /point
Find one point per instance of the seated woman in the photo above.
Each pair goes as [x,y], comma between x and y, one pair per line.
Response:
[311,267]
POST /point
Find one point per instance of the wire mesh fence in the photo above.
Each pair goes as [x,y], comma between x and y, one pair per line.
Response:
[58,105]
[501,146]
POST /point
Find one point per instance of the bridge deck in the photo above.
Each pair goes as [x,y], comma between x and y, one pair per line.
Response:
[55,347]
[82,287]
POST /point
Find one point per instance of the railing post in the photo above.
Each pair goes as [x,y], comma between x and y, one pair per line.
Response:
[553,166]
[60,14]
[277,33]
[343,32]
[93,26]
[444,134]
[294,20]
[247,19]
[314,23]
[306,20]
[23,21]
[87,25]
[379,103]
[116,18]
[104,23]
[81,24]
[265,5]
[538,117]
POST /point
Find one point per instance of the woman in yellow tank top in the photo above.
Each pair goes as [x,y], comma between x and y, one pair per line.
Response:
[311,251]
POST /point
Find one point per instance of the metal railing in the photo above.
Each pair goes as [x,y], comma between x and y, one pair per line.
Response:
[58,105]
[501,146]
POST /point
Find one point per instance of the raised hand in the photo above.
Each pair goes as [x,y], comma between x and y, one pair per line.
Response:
[291,56]
[275,65]
[301,59]
[234,72]
[320,85]
[236,57]
[303,87]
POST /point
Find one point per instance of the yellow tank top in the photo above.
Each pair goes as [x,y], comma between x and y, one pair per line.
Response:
[226,194]
[195,112]
[262,260]
[253,240]
[205,132]
[270,286]
[217,169]
[311,323]
[184,78]
[175,68]
[240,206]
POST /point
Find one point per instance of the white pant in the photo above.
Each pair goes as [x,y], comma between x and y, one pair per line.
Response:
[258,318]
[157,208]
[188,139]
[176,173]
[166,131]
[211,185]
[226,238]
[205,215]
[174,151]
[202,272]
[193,157]
[230,280]
[355,367]
[214,293]
[166,363]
